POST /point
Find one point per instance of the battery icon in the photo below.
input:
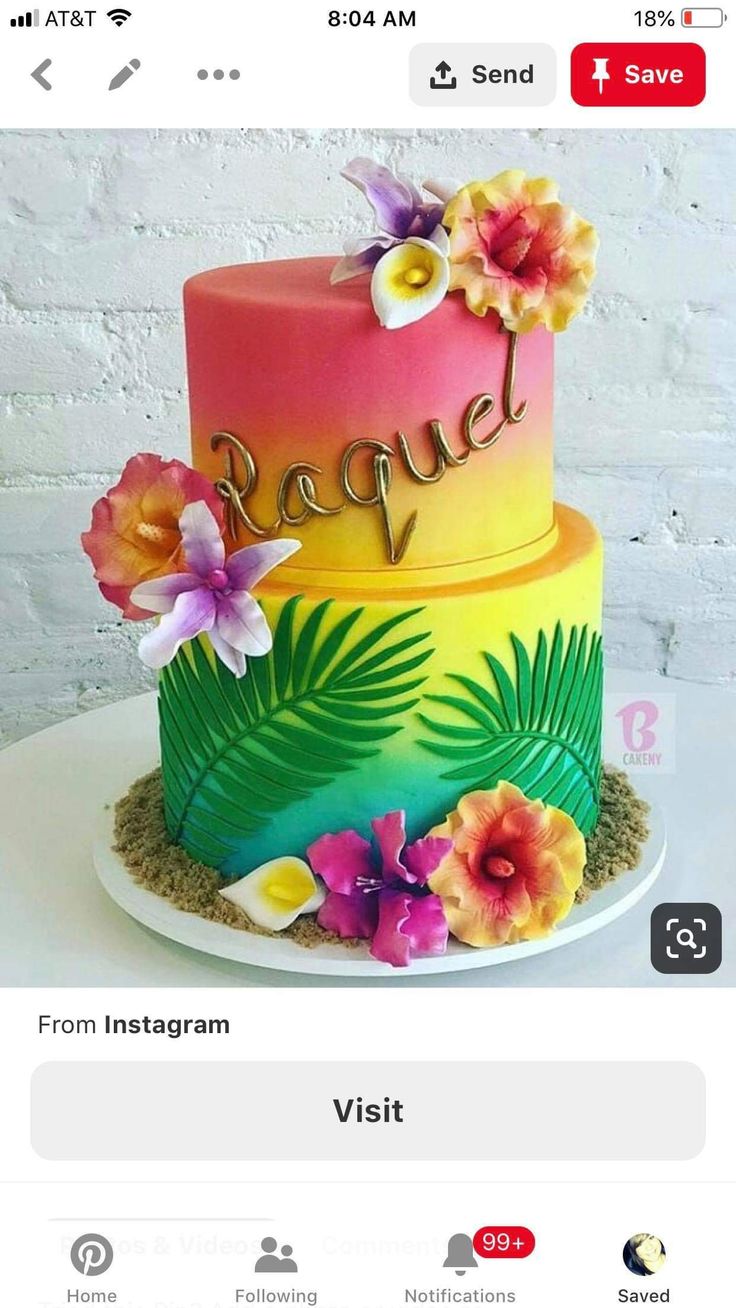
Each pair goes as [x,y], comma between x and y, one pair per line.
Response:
[702,18]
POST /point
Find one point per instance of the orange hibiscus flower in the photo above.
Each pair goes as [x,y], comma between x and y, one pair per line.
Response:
[513,870]
[516,249]
[135,534]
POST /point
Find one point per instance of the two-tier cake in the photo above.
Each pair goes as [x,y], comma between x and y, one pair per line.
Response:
[379,650]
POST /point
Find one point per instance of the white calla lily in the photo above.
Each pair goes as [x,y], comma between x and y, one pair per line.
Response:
[441,239]
[275,894]
[411,280]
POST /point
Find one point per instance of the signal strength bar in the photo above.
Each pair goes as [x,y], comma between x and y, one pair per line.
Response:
[26,20]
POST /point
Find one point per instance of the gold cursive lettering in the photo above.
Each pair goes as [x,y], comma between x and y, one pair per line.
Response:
[483,405]
[382,476]
[346,464]
[510,382]
[443,446]
[297,478]
[233,494]
[426,478]
[297,498]
[382,471]
[479,409]
[443,455]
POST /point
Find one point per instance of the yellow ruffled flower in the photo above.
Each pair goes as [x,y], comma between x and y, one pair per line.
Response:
[514,868]
[514,248]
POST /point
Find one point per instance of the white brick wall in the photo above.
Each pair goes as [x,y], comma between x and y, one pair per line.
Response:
[99,231]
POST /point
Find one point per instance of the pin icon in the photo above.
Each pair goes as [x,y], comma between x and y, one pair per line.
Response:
[600,73]
[91,1255]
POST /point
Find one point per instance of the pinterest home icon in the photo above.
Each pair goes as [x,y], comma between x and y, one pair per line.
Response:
[640,732]
[91,1255]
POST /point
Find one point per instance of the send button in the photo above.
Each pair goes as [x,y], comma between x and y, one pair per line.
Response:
[512,75]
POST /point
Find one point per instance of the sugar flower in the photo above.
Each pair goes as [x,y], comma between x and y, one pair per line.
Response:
[277,893]
[411,280]
[213,596]
[135,533]
[381,895]
[513,870]
[400,212]
[516,249]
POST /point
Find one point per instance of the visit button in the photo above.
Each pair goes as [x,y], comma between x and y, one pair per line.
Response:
[645,75]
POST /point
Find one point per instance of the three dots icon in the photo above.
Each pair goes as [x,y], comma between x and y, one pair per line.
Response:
[218,74]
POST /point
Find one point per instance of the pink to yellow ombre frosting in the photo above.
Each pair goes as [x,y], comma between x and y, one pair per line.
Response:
[297,372]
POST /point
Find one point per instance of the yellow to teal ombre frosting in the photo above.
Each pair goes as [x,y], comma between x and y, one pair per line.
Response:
[327,738]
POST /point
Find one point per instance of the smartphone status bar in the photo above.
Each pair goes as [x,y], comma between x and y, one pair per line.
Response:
[424,64]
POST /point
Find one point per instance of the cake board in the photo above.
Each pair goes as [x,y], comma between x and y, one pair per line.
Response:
[282,954]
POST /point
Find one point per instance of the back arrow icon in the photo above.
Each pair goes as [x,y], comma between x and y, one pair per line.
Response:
[38,76]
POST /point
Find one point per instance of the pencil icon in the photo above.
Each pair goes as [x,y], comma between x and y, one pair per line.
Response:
[121,78]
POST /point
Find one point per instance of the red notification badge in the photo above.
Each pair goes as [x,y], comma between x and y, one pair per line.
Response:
[503,1242]
[644,74]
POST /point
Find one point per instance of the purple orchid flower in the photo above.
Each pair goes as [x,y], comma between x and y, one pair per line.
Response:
[213,596]
[400,212]
[383,899]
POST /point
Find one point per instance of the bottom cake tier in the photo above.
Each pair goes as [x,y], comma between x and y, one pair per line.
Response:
[375,699]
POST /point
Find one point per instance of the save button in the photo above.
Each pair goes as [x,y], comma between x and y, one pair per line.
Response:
[651,74]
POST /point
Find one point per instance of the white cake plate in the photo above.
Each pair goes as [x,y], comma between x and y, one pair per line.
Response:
[285,955]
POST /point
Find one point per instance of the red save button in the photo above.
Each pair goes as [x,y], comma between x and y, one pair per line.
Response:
[644,74]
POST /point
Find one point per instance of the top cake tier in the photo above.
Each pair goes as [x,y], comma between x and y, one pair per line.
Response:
[379,450]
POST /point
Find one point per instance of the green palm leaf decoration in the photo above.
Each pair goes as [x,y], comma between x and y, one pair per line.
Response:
[540,730]
[235,751]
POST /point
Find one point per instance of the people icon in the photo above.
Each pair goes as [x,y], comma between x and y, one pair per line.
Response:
[287,1262]
[270,1261]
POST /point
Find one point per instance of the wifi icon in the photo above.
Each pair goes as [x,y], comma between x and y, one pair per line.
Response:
[119,16]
